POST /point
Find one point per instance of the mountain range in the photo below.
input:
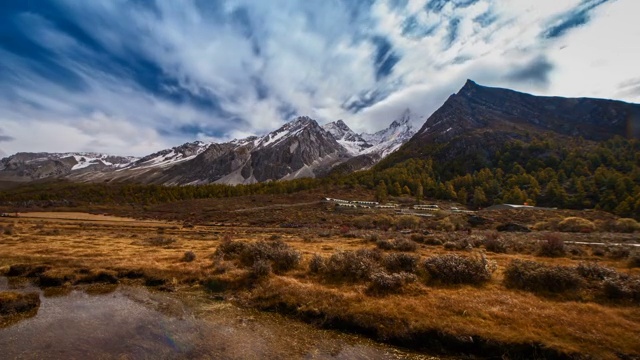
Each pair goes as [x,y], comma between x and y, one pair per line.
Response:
[300,148]
[464,133]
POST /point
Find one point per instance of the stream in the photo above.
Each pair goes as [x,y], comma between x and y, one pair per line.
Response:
[135,323]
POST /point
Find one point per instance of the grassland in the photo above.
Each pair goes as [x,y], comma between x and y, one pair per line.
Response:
[296,255]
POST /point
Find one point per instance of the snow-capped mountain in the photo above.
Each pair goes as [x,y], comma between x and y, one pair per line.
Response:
[299,148]
[170,157]
[388,140]
[354,143]
[381,143]
[34,166]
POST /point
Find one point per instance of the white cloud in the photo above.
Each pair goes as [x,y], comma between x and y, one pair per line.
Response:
[307,58]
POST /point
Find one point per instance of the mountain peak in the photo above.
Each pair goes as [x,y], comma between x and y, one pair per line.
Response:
[404,119]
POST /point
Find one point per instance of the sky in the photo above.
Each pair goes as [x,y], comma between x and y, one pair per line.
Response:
[131,77]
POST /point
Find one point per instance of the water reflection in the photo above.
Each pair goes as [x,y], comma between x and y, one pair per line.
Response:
[133,323]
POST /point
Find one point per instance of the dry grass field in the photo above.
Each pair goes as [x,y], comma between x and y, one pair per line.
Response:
[435,283]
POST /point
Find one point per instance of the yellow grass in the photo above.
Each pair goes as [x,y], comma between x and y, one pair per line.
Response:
[82,241]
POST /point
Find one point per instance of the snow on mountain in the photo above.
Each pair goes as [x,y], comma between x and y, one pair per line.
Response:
[381,143]
[354,143]
[388,140]
[169,157]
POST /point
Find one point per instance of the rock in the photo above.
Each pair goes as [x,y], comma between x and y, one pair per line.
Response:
[513,227]
[12,303]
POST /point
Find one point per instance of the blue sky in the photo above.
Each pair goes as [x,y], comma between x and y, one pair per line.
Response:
[131,77]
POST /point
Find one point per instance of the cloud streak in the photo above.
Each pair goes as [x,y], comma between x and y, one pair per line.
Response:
[133,77]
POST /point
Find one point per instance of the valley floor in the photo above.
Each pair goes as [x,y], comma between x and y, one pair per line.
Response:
[488,319]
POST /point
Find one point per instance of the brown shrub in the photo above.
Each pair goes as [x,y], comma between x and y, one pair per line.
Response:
[160,241]
[552,246]
[537,277]
[353,265]
[401,262]
[576,224]
[397,244]
[624,225]
[317,265]
[282,256]
[188,256]
[618,252]
[383,283]
[495,244]
[622,288]
[593,271]
[634,259]
[462,244]
[261,269]
[455,269]
[408,222]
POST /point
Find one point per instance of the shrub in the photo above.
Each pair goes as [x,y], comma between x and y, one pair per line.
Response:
[383,283]
[634,259]
[282,256]
[552,246]
[455,269]
[598,251]
[316,265]
[419,238]
[621,288]
[261,268]
[405,245]
[495,244]
[353,265]
[385,244]
[625,225]
[618,252]
[593,271]
[230,248]
[408,222]
[576,224]
[537,277]
[189,256]
[399,244]
[401,262]
[462,244]
[160,241]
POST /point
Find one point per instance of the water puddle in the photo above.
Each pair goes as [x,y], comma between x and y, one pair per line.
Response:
[133,323]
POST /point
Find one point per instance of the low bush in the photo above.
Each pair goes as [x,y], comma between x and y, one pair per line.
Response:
[353,265]
[419,238]
[188,256]
[552,246]
[261,269]
[317,264]
[160,241]
[455,269]
[383,283]
[537,277]
[408,222]
[401,262]
[618,252]
[622,288]
[634,259]
[576,224]
[282,256]
[397,244]
[593,271]
[495,244]
[462,244]
[624,225]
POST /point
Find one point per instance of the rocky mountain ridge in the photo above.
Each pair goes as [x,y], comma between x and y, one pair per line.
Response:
[300,148]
